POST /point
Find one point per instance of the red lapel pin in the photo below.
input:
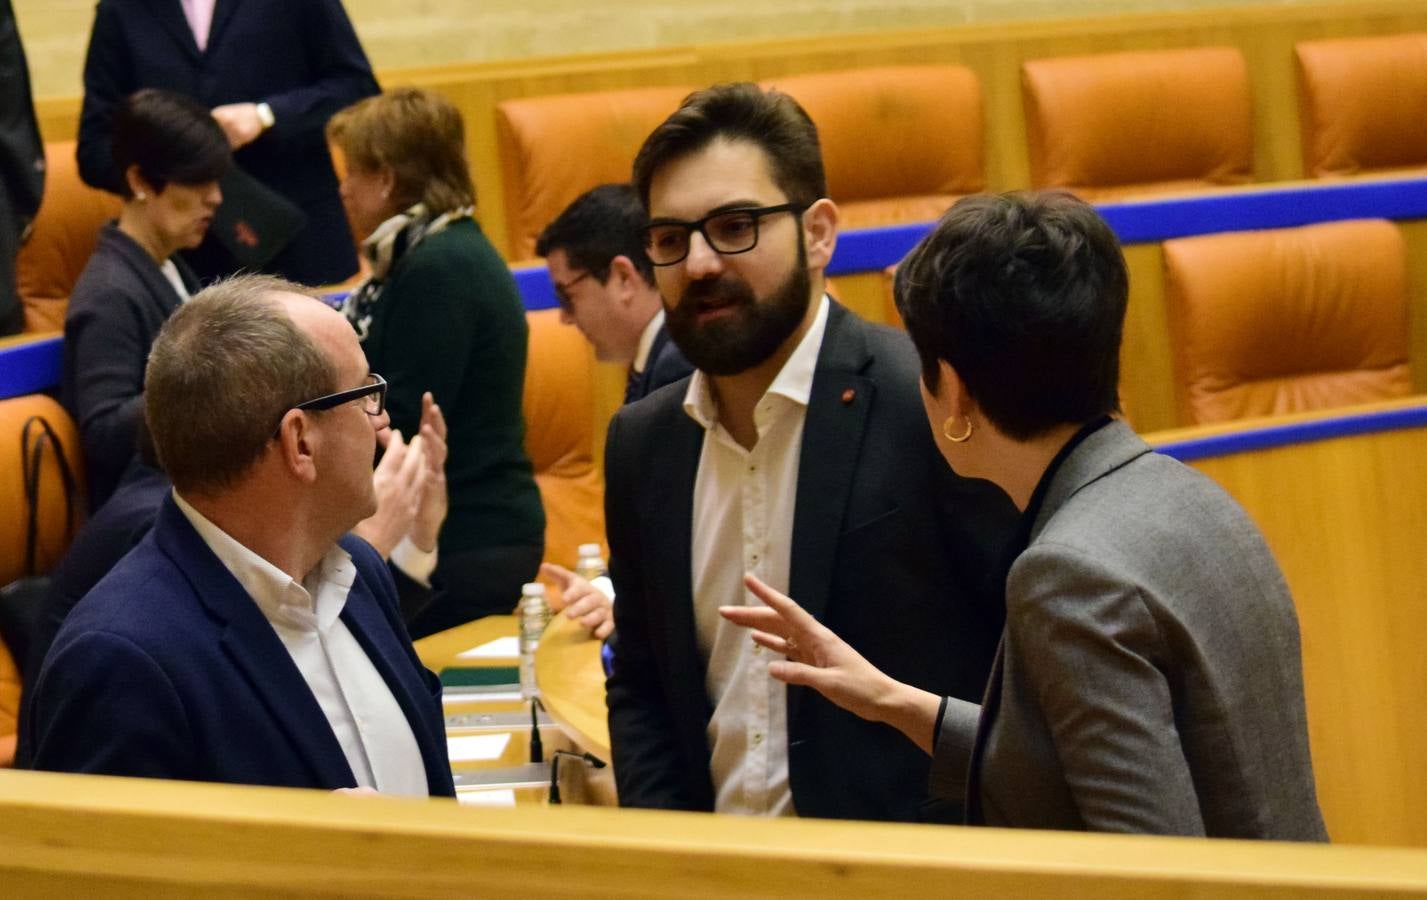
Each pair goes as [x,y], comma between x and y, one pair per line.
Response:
[848,396]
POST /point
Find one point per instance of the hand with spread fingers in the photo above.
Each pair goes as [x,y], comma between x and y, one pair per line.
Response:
[434,501]
[819,659]
[399,480]
[581,600]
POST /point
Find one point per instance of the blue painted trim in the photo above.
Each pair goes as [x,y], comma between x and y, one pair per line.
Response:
[31,367]
[535,286]
[1150,221]
[1271,436]
[874,249]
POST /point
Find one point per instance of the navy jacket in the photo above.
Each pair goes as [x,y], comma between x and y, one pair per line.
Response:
[665,365]
[301,58]
[168,669]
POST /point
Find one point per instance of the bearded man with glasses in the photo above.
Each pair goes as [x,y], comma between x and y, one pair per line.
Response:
[249,638]
[797,451]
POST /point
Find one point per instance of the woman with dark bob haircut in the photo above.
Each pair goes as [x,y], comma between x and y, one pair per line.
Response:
[172,154]
[441,313]
[1149,676]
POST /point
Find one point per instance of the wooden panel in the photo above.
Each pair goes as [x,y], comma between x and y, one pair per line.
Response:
[1347,520]
[68,835]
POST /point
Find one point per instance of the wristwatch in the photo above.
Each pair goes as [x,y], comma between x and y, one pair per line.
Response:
[265,115]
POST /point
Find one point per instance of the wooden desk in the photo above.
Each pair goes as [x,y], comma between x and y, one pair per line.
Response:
[571,679]
[439,651]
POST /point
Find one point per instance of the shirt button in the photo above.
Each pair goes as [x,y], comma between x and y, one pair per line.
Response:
[757,738]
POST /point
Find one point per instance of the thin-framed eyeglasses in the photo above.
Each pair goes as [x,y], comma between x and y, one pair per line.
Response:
[728,232]
[562,291]
[372,394]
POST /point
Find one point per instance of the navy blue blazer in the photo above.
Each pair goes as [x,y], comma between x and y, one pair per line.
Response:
[301,58]
[168,669]
[665,365]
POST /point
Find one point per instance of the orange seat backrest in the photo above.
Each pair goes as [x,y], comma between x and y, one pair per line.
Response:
[1362,104]
[52,538]
[9,705]
[553,149]
[899,143]
[1120,124]
[1287,320]
[65,232]
[559,435]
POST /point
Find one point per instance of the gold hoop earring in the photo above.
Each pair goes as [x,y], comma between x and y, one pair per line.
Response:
[956,438]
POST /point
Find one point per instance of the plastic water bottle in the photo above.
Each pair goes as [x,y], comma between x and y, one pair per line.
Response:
[534,616]
[589,564]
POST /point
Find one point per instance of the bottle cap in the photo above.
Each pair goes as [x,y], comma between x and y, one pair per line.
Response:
[588,550]
[534,589]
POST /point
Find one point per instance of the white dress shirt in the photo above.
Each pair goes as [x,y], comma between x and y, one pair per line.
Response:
[374,734]
[743,504]
[646,341]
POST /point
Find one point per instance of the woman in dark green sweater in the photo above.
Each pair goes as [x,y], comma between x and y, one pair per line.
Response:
[440,313]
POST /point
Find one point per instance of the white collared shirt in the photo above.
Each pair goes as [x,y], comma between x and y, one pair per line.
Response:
[374,734]
[744,503]
[646,341]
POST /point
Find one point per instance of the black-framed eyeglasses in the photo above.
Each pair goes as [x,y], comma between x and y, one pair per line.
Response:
[562,291]
[372,394]
[728,232]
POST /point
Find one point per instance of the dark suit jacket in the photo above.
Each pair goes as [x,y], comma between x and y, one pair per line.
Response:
[22,164]
[1151,678]
[888,549]
[665,365]
[301,58]
[168,669]
[119,304]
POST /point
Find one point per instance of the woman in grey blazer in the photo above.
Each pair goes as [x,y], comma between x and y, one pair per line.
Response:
[1149,677]
[171,153]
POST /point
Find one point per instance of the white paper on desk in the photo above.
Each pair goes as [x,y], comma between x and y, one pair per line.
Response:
[500,797]
[478,699]
[476,747]
[501,648]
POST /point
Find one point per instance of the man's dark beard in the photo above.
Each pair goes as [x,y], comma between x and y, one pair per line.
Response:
[747,335]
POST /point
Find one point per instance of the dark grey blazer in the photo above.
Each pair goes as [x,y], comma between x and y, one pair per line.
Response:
[1150,678]
[888,548]
[119,303]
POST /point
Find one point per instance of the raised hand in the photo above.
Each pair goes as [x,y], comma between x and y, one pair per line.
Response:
[581,600]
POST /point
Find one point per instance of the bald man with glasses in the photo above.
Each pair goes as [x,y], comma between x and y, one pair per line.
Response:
[249,638]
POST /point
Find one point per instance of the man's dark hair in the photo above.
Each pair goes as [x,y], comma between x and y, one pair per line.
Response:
[170,137]
[741,111]
[601,224]
[1024,296]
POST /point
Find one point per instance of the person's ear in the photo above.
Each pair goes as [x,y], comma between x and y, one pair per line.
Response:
[951,390]
[624,278]
[297,445]
[386,177]
[139,186]
[820,232]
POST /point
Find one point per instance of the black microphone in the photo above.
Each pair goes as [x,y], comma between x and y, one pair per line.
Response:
[594,761]
[537,750]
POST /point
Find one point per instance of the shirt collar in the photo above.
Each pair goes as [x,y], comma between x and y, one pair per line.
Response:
[794,381]
[646,341]
[281,599]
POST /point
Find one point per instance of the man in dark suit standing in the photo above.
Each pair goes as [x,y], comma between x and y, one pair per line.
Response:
[249,638]
[605,285]
[272,71]
[797,451]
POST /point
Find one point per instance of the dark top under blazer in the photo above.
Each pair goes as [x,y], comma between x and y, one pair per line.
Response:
[301,58]
[119,303]
[1151,678]
[888,549]
[665,365]
[168,669]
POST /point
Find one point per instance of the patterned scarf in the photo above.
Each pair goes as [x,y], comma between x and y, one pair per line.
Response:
[392,240]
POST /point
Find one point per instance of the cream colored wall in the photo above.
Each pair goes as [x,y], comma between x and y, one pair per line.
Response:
[398,33]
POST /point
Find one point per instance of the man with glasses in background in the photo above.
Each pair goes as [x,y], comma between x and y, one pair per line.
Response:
[249,638]
[799,452]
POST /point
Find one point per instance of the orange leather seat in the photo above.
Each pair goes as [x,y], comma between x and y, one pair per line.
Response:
[9,705]
[1124,124]
[65,232]
[899,143]
[552,149]
[1287,320]
[52,536]
[559,435]
[1362,104]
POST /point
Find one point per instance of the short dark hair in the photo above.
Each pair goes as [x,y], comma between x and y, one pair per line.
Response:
[223,370]
[420,135]
[601,224]
[741,111]
[170,137]
[1024,296]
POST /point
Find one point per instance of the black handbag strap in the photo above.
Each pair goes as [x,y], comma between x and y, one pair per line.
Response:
[35,434]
